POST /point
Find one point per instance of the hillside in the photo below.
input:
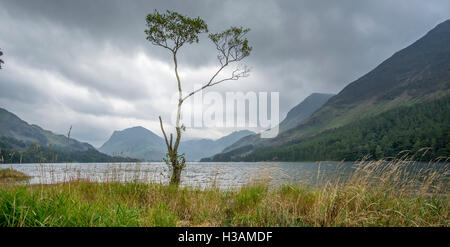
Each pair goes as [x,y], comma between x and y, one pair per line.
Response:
[304,109]
[21,142]
[295,116]
[417,74]
[422,130]
[13,127]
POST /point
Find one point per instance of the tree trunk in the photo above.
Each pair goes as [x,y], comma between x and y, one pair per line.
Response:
[176,162]
[175,179]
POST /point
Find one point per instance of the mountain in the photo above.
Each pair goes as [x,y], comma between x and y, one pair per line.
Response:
[194,150]
[418,74]
[136,142]
[295,116]
[13,127]
[22,142]
[304,109]
[141,143]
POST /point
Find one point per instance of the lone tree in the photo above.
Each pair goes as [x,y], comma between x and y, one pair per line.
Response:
[1,61]
[171,31]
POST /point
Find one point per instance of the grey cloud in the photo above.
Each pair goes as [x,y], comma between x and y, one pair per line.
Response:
[300,47]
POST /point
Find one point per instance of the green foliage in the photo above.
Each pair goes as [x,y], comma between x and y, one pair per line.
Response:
[175,28]
[250,196]
[172,30]
[161,216]
[231,44]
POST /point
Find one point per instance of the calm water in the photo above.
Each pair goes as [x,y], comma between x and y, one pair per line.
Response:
[224,175]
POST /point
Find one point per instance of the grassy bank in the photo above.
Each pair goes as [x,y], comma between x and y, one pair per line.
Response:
[84,203]
[375,194]
[135,204]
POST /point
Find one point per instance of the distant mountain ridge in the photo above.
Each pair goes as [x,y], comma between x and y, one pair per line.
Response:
[141,143]
[194,150]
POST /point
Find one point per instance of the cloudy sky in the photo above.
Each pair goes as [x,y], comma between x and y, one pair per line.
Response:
[87,63]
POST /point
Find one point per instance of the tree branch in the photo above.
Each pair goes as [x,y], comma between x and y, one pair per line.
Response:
[235,75]
[169,147]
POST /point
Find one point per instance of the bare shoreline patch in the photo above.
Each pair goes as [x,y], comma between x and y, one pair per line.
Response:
[10,175]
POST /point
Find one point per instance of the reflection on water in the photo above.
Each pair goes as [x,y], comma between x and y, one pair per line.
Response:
[223,175]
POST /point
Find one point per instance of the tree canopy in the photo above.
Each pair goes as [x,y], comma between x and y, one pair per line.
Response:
[172,30]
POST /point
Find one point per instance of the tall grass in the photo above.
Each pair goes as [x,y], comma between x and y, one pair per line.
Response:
[375,194]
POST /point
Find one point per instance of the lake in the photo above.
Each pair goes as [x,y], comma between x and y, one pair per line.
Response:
[224,175]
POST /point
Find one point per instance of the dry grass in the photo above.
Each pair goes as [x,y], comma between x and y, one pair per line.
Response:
[10,175]
[375,194]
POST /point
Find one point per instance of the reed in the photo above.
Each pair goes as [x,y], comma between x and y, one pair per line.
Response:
[377,193]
